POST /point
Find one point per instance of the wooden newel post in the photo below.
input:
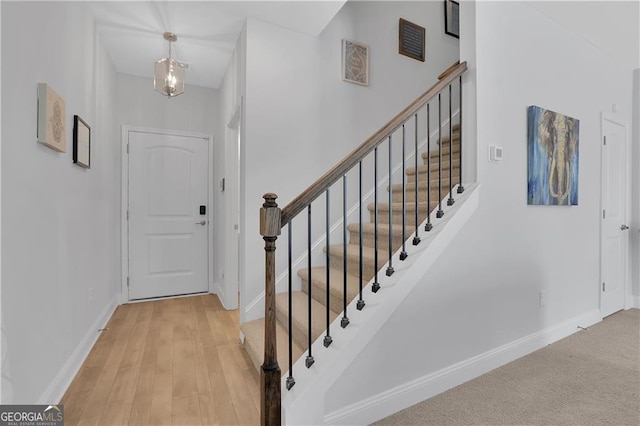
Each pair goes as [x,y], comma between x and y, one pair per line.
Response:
[270,228]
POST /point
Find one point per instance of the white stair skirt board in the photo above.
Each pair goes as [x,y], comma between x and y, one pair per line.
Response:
[300,404]
[58,386]
[415,391]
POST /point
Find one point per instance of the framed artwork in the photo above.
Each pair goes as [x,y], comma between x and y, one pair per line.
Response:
[81,142]
[411,40]
[552,163]
[355,62]
[452,18]
[52,118]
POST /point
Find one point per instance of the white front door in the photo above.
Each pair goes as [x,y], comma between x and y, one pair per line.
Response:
[168,231]
[615,234]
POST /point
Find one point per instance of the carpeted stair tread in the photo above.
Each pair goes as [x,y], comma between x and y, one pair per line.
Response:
[397,207]
[300,316]
[336,280]
[422,185]
[353,252]
[253,332]
[353,259]
[410,195]
[445,143]
[422,169]
[368,233]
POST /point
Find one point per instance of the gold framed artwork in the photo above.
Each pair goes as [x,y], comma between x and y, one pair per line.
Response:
[51,119]
[355,62]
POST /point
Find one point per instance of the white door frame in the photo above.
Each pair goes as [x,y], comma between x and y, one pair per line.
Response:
[232,171]
[628,302]
[124,228]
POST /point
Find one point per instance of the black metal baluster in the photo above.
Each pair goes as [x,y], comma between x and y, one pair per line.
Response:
[416,238]
[450,201]
[309,360]
[460,187]
[429,225]
[327,337]
[345,319]
[390,267]
[376,285]
[290,380]
[360,303]
[440,212]
[403,253]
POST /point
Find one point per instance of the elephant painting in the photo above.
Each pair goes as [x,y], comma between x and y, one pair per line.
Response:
[553,158]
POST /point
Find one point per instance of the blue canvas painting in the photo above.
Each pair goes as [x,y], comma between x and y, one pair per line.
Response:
[552,158]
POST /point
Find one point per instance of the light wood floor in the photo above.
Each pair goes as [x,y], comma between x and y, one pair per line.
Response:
[166,362]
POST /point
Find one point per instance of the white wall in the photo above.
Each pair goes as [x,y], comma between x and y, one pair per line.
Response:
[484,292]
[227,164]
[60,260]
[194,111]
[301,118]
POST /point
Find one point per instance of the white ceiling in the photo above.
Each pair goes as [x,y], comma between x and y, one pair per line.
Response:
[207,31]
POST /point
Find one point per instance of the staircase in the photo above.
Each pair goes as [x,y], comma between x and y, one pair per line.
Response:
[294,320]
[437,181]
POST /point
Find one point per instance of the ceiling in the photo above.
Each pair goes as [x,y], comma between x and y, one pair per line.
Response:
[207,31]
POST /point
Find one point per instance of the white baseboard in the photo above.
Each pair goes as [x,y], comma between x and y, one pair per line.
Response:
[636,302]
[410,393]
[58,386]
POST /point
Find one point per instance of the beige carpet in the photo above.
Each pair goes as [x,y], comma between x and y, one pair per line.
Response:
[589,378]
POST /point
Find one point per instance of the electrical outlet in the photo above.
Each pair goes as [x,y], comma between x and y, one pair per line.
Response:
[543,298]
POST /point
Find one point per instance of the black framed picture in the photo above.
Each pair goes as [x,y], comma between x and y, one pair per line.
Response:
[452,18]
[81,142]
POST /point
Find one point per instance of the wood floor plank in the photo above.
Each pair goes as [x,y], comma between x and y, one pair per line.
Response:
[141,405]
[95,405]
[166,362]
[222,396]
[186,411]
[242,402]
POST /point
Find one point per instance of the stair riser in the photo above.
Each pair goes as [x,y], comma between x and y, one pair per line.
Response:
[422,168]
[299,333]
[445,150]
[299,326]
[368,239]
[368,269]
[410,196]
[319,293]
[422,177]
[445,163]
[383,217]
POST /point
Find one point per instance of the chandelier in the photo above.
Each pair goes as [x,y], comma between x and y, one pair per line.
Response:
[169,73]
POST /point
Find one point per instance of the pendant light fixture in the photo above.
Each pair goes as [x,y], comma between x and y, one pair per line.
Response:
[169,73]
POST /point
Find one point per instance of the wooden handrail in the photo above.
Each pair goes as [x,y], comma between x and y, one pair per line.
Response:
[446,72]
[329,178]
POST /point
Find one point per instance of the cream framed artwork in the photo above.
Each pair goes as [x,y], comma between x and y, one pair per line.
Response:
[52,117]
[355,63]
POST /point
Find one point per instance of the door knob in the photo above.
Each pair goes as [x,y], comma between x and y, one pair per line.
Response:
[623,227]
[202,222]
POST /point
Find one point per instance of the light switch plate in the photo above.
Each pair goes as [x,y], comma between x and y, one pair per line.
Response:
[495,153]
